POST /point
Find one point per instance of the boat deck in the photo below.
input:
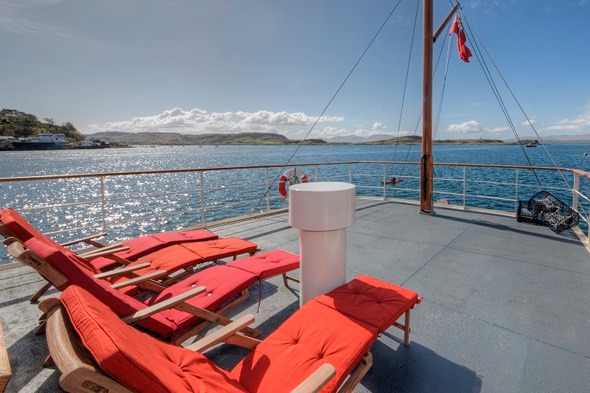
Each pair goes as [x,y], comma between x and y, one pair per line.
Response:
[506,309]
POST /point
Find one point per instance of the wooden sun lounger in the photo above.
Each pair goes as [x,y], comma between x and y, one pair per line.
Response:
[323,346]
[109,257]
[175,313]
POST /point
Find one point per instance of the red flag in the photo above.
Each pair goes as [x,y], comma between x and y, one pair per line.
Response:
[457,28]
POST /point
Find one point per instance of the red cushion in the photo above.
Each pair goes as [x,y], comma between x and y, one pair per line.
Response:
[181,256]
[212,250]
[314,335]
[370,300]
[163,323]
[267,264]
[171,259]
[21,228]
[144,245]
[222,283]
[136,360]
[195,235]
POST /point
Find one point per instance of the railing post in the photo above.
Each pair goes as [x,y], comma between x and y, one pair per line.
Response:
[575,199]
[350,173]
[516,188]
[103,203]
[576,202]
[464,187]
[202,178]
[383,174]
[267,188]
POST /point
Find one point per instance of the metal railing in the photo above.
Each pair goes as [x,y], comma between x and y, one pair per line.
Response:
[129,204]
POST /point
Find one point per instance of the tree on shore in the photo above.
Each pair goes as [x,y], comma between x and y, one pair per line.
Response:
[22,125]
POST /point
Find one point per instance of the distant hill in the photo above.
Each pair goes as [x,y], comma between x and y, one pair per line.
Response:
[170,138]
[262,138]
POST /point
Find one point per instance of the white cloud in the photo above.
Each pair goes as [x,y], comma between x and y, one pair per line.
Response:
[468,127]
[577,124]
[378,126]
[197,121]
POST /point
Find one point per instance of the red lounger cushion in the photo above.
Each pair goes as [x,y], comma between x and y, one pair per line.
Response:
[222,283]
[221,248]
[144,245]
[21,228]
[267,264]
[136,360]
[182,256]
[165,323]
[370,300]
[313,335]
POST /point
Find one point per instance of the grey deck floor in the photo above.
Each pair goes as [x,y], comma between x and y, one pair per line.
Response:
[506,309]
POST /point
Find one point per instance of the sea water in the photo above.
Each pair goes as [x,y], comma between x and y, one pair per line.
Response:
[58,162]
[38,163]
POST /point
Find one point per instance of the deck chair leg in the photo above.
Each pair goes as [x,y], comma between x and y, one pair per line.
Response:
[357,375]
[286,279]
[41,328]
[40,292]
[407,329]
[48,362]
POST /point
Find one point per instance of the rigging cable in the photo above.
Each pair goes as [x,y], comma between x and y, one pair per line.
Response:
[328,104]
[495,90]
[528,120]
[399,123]
[404,92]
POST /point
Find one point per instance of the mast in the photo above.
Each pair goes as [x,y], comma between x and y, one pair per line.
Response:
[426,161]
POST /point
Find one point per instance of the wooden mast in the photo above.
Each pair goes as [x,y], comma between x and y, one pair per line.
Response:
[426,161]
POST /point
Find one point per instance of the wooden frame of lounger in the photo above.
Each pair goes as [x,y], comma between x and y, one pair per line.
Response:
[80,374]
[28,257]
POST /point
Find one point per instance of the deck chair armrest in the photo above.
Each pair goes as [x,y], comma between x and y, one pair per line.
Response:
[164,305]
[87,240]
[317,380]
[9,240]
[104,251]
[139,280]
[122,271]
[223,335]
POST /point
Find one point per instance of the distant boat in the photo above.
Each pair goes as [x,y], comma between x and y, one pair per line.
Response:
[393,180]
[532,143]
[43,141]
[94,143]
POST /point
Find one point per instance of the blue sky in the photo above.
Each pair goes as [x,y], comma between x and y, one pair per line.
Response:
[222,66]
